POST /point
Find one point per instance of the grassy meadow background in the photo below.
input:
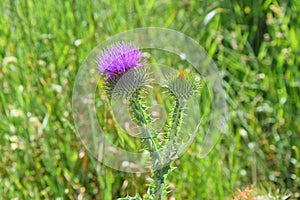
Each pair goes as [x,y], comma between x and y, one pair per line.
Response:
[255,45]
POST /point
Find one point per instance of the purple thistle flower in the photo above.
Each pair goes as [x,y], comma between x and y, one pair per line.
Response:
[118,58]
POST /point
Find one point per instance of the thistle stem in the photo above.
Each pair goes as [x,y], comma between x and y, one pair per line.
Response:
[176,118]
[160,175]
[143,118]
[158,186]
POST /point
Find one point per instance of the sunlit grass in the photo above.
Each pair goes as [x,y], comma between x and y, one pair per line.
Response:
[42,45]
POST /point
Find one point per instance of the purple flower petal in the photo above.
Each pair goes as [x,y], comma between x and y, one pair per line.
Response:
[118,58]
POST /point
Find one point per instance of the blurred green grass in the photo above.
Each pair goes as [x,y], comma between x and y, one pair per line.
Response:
[255,45]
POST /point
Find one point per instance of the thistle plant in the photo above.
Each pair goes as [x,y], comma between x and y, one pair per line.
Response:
[125,58]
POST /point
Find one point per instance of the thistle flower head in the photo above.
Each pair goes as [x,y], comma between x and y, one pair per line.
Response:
[181,88]
[118,58]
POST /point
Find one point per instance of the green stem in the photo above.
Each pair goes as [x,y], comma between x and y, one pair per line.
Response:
[142,117]
[160,175]
[176,118]
[158,187]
